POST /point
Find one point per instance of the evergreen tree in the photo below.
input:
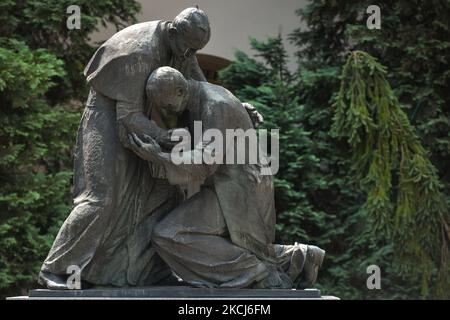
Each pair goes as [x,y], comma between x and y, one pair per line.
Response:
[316,164]
[301,181]
[43,24]
[404,195]
[42,92]
[413,43]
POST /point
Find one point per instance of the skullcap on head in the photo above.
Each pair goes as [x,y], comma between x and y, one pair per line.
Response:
[193,21]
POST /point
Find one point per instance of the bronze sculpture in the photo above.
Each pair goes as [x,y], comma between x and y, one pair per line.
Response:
[127,196]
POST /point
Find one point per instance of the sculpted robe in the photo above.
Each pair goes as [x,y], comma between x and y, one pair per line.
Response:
[223,235]
[118,197]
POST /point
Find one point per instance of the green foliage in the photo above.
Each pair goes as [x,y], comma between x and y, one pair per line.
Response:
[42,24]
[404,194]
[413,44]
[302,178]
[318,198]
[33,192]
[316,171]
[42,91]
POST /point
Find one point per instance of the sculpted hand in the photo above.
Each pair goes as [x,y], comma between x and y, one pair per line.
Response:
[146,148]
[165,139]
[255,116]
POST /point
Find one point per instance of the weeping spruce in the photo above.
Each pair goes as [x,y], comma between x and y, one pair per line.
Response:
[405,203]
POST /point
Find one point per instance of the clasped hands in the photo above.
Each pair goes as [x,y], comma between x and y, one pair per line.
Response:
[150,149]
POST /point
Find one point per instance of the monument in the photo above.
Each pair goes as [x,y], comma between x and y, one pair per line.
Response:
[157,213]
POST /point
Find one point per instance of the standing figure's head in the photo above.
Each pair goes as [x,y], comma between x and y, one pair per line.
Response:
[167,89]
[189,32]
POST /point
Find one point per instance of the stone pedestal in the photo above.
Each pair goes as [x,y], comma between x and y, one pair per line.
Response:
[174,293]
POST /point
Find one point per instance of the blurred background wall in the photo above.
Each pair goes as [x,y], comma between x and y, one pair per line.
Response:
[256,18]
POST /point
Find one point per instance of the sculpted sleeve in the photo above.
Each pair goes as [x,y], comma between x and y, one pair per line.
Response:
[196,71]
[130,118]
[193,165]
[119,70]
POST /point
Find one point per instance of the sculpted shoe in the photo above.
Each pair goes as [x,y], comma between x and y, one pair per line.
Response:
[52,281]
[275,279]
[297,261]
[314,259]
[291,259]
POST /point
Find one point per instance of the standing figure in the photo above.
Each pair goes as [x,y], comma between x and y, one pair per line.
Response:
[117,196]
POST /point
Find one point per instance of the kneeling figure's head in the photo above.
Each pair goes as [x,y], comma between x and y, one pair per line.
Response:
[167,89]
